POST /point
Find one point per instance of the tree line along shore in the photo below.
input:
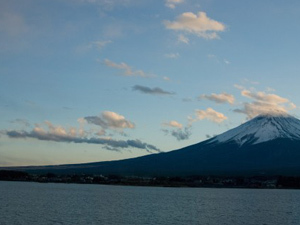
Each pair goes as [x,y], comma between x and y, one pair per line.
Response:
[283,182]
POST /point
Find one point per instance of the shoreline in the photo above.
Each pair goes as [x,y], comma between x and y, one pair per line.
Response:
[256,182]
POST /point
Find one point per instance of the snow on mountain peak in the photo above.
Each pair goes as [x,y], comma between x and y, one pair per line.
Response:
[262,128]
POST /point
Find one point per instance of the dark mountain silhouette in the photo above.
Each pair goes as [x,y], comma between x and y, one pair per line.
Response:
[265,145]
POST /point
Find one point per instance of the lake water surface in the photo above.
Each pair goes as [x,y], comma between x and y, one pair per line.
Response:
[37,203]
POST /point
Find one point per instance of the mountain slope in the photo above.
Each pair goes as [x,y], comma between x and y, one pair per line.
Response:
[265,145]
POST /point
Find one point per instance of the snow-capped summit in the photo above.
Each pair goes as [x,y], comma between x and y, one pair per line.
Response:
[261,129]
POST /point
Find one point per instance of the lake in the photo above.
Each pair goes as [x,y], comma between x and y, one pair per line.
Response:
[50,203]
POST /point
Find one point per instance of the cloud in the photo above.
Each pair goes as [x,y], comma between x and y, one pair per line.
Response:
[172,55]
[95,44]
[179,134]
[182,134]
[92,45]
[166,78]
[21,122]
[110,120]
[49,132]
[187,99]
[172,3]
[60,136]
[173,124]
[177,130]
[151,91]
[197,24]
[183,39]
[263,97]
[210,114]
[240,87]
[101,44]
[226,61]
[127,70]
[264,103]
[219,98]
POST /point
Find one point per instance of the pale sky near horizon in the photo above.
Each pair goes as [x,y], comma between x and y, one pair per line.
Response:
[96,80]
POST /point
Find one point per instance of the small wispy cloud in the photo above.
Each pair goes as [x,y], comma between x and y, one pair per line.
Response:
[218,59]
[187,99]
[21,122]
[226,61]
[127,70]
[173,123]
[218,98]
[177,130]
[101,44]
[197,24]
[182,134]
[166,78]
[110,120]
[179,134]
[172,55]
[172,3]
[210,114]
[182,38]
[151,91]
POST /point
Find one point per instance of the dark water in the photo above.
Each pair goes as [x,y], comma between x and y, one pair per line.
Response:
[35,203]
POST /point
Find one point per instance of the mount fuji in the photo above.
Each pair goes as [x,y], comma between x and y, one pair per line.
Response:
[266,145]
[261,129]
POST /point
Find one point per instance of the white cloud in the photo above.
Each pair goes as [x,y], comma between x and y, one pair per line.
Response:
[183,39]
[199,24]
[110,120]
[219,98]
[210,114]
[166,78]
[172,55]
[127,70]
[101,44]
[172,3]
[263,97]
[264,103]
[173,124]
[226,61]
[240,87]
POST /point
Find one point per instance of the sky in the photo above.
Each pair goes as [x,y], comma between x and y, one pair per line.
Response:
[97,80]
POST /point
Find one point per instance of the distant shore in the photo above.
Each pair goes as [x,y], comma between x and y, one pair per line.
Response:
[263,182]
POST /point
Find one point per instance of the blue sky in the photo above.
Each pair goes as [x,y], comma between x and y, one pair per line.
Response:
[96,80]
